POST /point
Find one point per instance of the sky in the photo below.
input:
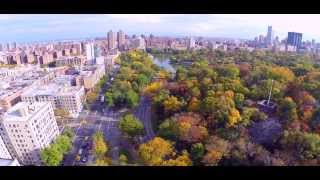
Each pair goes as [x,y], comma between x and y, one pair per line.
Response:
[37,27]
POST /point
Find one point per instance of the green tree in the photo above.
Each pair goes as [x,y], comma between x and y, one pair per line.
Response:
[197,151]
[305,145]
[131,125]
[51,156]
[288,109]
[239,100]
[132,98]
[251,114]
[63,142]
[123,160]
[109,99]
[168,129]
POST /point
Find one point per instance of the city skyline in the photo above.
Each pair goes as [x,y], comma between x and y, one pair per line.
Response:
[31,28]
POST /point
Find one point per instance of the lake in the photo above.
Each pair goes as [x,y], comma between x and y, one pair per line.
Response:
[164,62]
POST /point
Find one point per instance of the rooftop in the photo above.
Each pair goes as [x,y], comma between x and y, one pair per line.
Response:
[22,111]
[51,89]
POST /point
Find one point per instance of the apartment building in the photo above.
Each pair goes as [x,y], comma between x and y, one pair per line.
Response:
[69,98]
[4,153]
[27,129]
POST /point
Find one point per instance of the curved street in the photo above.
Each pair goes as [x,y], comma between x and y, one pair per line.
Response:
[143,113]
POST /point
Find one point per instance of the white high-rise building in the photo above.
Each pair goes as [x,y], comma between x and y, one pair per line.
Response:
[4,153]
[90,51]
[139,43]
[27,129]
[69,98]
[191,43]
[111,40]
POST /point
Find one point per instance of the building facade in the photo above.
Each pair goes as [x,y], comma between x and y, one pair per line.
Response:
[294,39]
[90,51]
[69,98]
[27,129]
[111,40]
[4,153]
[121,39]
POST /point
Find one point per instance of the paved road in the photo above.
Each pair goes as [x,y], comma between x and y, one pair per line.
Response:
[98,117]
[143,112]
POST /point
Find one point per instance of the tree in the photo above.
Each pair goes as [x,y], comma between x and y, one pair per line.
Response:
[197,151]
[63,143]
[91,97]
[123,160]
[103,161]
[131,125]
[222,107]
[99,145]
[154,151]
[251,114]
[233,118]
[132,98]
[229,71]
[61,112]
[305,145]
[109,99]
[287,109]
[182,160]
[142,80]
[315,120]
[51,156]
[158,98]
[68,132]
[153,87]
[172,104]
[194,105]
[212,158]
[168,129]
[239,100]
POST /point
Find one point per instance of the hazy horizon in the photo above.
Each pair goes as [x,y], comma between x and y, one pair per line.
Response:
[46,27]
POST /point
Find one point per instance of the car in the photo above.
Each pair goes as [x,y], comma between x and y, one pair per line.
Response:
[80,151]
[84,159]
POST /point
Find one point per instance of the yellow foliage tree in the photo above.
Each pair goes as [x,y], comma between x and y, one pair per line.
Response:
[212,158]
[183,128]
[153,87]
[172,104]
[153,152]
[182,160]
[234,117]
[99,145]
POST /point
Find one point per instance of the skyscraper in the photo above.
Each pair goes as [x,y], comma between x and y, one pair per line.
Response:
[294,39]
[14,45]
[191,43]
[269,35]
[90,51]
[111,40]
[121,39]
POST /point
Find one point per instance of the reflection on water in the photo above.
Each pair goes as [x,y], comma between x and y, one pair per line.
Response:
[164,62]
